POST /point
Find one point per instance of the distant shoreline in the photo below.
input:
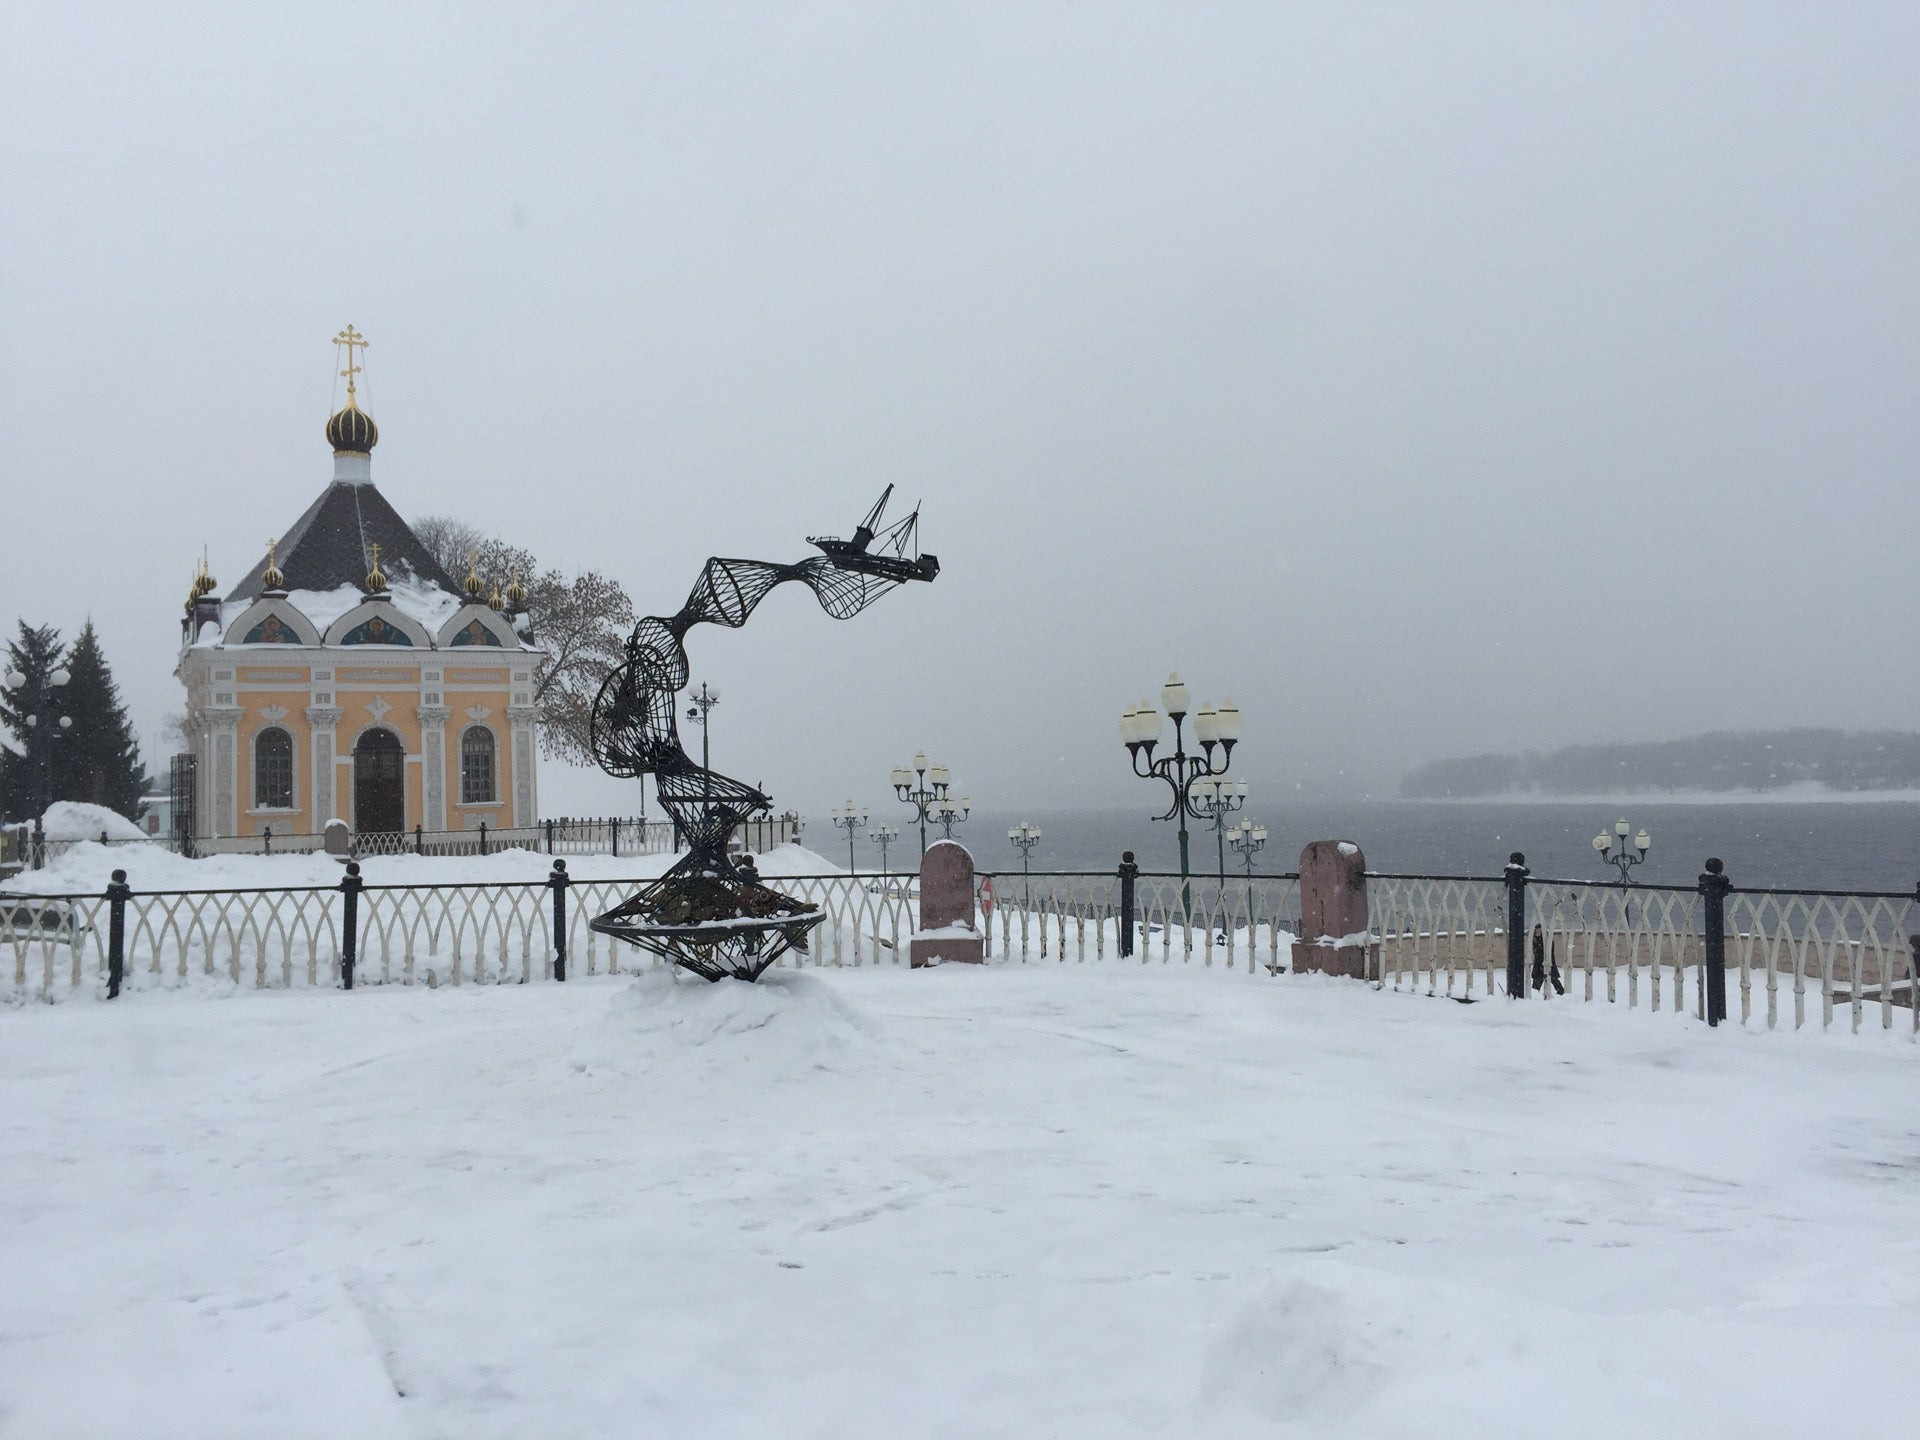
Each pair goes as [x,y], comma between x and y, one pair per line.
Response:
[1785,795]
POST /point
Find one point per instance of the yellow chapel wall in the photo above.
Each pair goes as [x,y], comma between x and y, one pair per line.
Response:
[371,689]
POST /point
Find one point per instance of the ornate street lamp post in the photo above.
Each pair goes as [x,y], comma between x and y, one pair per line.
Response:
[1214,800]
[950,813]
[1622,858]
[1025,837]
[1140,731]
[43,725]
[849,817]
[926,789]
[883,835]
[1248,840]
[699,705]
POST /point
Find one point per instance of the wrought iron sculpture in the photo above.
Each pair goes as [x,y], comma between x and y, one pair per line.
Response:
[710,913]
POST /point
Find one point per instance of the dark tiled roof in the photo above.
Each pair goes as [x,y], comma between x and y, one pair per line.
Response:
[332,545]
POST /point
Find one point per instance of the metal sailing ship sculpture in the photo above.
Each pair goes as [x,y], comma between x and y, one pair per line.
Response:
[711,914]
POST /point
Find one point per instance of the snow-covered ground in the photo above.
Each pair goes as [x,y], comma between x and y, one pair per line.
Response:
[1103,1201]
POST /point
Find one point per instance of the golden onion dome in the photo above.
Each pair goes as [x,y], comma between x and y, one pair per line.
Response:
[351,431]
[273,577]
[376,577]
[516,592]
[494,599]
[472,584]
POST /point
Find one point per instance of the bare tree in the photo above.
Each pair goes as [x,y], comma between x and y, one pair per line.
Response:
[449,541]
[580,625]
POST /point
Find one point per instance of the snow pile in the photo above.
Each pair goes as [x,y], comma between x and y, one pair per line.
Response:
[85,869]
[73,820]
[783,1026]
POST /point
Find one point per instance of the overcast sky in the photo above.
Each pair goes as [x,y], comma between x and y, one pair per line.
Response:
[1430,379]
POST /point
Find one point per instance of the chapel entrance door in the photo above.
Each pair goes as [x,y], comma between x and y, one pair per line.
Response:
[379,778]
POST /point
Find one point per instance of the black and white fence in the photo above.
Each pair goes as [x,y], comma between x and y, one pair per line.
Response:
[1782,958]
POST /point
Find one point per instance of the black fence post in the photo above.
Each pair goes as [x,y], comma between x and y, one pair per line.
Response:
[1714,886]
[117,894]
[1517,873]
[615,822]
[350,926]
[419,840]
[1128,872]
[483,837]
[549,837]
[39,844]
[1913,969]
[559,881]
[266,839]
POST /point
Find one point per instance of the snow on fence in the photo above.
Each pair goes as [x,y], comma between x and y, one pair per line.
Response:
[1795,957]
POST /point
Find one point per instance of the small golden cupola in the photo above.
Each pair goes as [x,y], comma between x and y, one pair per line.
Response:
[376,577]
[472,584]
[494,599]
[273,580]
[516,594]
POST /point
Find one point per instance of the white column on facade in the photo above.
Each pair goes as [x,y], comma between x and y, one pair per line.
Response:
[325,722]
[201,740]
[225,723]
[521,720]
[433,761]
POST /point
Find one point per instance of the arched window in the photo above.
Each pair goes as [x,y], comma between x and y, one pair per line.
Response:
[476,766]
[273,770]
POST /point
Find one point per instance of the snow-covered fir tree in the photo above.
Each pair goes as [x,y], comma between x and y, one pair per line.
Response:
[98,760]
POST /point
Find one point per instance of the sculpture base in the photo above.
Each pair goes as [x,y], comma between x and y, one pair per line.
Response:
[718,925]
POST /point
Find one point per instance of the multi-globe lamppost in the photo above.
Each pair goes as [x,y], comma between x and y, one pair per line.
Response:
[1623,858]
[1140,731]
[42,722]
[1214,800]
[950,813]
[883,835]
[928,789]
[849,817]
[1025,837]
[699,705]
[1248,840]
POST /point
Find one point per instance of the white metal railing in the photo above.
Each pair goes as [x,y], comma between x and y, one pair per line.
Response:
[1450,931]
[1795,958]
[1854,950]
[1638,944]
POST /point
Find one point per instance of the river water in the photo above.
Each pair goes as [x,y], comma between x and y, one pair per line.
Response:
[1802,845]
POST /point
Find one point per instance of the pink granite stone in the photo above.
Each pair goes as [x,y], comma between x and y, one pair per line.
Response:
[1333,911]
[948,933]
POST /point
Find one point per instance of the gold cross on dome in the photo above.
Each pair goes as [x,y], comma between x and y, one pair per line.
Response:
[352,339]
